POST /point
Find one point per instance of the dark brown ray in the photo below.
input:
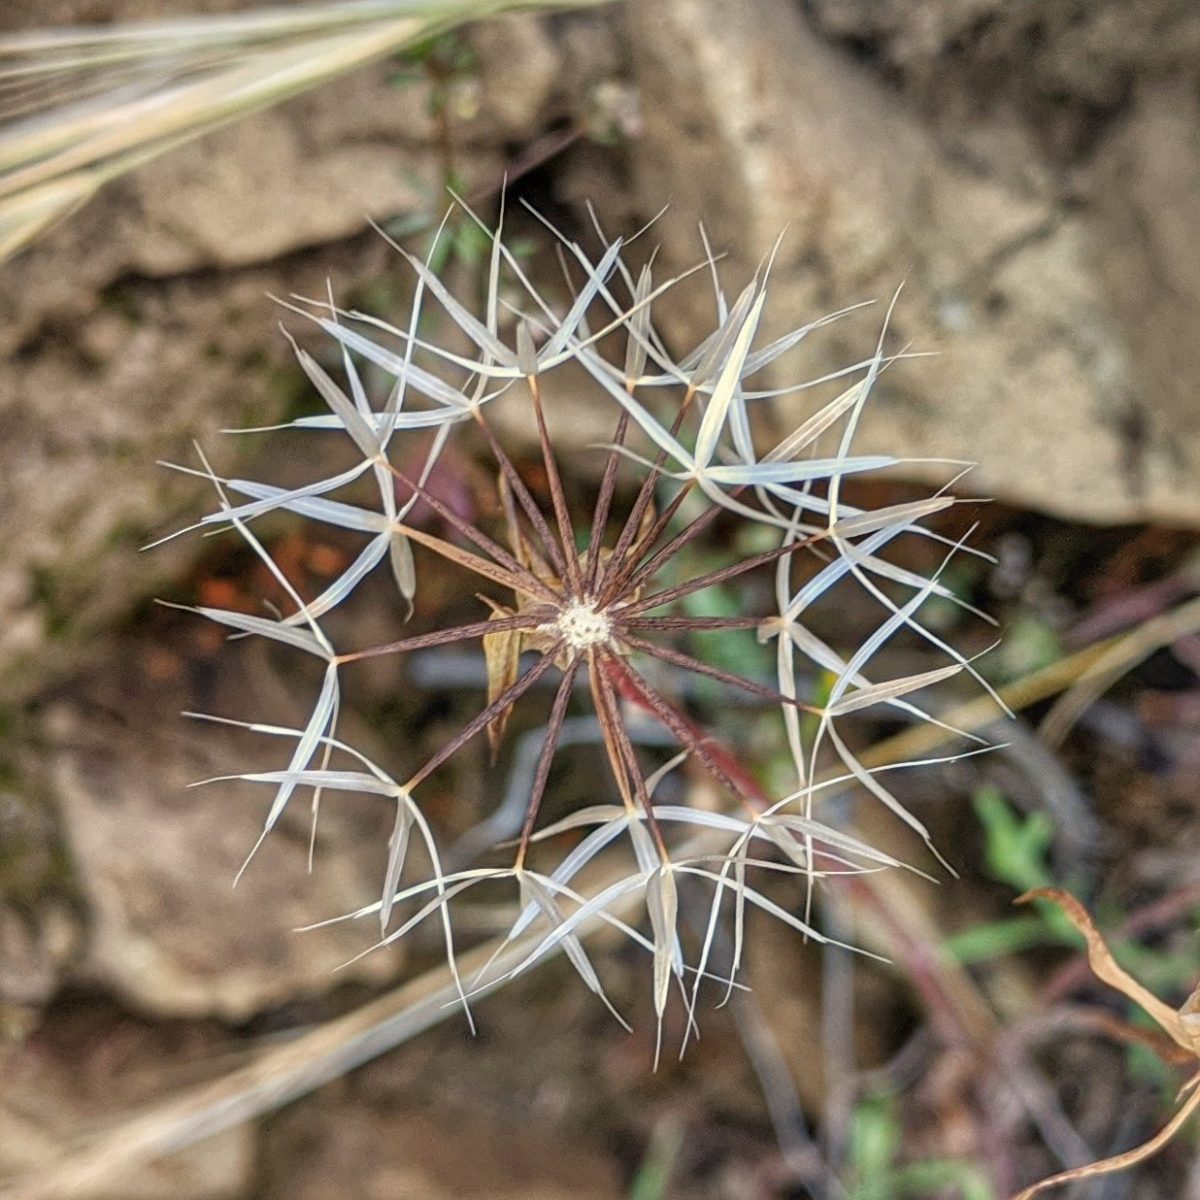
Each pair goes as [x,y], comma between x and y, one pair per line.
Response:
[623,581]
[687,623]
[687,663]
[553,731]
[524,584]
[444,637]
[689,737]
[524,498]
[633,522]
[608,734]
[637,575]
[531,584]
[486,716]
[710,579]
[602,662]
[558,497]
[523,549]
[604,497]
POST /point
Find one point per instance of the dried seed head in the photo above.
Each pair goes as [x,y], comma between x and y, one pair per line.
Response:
[582,627]
[594,610]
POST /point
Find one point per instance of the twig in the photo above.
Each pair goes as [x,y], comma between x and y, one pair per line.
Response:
[1121,655]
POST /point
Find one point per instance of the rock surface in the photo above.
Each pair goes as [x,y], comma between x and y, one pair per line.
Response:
[1045,49]
[154,860]
[1006,247]
[145,320]
[75,1076]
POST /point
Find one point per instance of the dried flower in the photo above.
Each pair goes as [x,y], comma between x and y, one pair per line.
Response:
[604,613]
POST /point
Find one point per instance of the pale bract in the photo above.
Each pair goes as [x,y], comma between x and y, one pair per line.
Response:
[593,606]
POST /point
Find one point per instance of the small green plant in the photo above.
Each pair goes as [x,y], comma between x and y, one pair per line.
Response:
[874,1171]
[1015,848]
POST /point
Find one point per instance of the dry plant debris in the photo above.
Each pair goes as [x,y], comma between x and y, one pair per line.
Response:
[1182,1026]
[281,1072]
[606,610]
[86,104]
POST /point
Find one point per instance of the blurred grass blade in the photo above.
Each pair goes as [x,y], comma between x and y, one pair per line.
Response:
[81,106]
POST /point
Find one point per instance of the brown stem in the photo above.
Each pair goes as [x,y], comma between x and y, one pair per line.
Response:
[629,578]
[476,536]
[644,497]
[712,578]
[603,663]
[443,637]
[557,496]
[524,498]
[484,718]
[687,623]
[553,730]
[719,764]
[604,502]
[688,663]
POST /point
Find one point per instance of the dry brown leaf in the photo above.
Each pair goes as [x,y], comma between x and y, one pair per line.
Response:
[1105,967]
[1119,1162]
[1183,1027]
[1108,1024]
[502,653]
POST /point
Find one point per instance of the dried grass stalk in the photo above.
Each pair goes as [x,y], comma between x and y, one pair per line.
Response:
[81,106]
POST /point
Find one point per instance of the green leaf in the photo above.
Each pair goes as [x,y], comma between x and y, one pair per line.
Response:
[874,1144]
[1016,844]
[998,939]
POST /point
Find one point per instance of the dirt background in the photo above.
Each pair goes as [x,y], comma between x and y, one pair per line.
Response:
[1029,172]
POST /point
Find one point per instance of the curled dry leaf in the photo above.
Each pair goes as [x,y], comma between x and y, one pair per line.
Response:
[1182,1027]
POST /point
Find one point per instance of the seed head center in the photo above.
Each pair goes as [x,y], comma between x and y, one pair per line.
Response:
[582,626]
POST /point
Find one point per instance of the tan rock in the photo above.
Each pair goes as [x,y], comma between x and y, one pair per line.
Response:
[155,859]
[754,125]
